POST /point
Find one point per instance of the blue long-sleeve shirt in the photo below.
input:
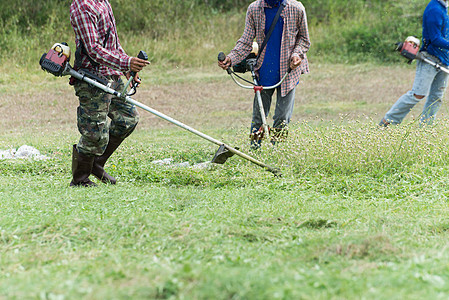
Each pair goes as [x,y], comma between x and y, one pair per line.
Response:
[270,71]
[436,30]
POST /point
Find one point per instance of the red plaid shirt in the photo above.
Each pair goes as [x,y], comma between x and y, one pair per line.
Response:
[91,20]
[295,39]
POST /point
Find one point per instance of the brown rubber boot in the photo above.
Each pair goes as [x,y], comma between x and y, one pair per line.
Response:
[99,161]
[384,123]
[256,137]
[81,169]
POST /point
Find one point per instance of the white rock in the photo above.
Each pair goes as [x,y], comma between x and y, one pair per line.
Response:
[165,161]
[24,151]
[170,162]
[7,154]
[181,165]
[203,165]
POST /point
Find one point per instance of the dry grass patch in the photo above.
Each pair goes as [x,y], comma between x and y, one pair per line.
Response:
[329,92]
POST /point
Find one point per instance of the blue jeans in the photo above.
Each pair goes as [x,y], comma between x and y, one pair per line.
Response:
[429,82]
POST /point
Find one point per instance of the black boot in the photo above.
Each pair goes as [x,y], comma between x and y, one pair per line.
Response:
[99,161]
[81,169]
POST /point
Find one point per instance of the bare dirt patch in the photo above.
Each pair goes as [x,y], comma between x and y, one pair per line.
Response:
[329,92]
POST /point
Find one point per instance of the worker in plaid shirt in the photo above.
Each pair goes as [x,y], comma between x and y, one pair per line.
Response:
[286,47]
[99,51]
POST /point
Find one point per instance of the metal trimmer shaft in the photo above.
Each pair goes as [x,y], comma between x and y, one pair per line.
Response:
[107,89]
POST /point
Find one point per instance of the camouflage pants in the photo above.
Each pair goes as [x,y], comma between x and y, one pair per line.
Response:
[95,106]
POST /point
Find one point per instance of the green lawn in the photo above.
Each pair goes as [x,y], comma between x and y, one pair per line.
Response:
[359,213]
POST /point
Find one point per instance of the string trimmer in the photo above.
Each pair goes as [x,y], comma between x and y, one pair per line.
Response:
[57,62]
[249,64]
[410,50]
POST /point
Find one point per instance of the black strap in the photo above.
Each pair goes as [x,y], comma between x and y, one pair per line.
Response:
[82,51]
[425,45]
[270,31]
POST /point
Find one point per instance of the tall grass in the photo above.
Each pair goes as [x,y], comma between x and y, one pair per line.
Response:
[190,33]
[359,31]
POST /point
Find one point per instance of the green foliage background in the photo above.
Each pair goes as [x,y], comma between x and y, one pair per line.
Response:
[345,31]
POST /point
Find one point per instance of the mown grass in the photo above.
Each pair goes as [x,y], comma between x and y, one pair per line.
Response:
[359,212]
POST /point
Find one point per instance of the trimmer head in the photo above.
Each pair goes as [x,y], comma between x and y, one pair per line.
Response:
[222,155]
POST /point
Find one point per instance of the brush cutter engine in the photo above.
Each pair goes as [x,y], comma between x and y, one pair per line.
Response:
[409,49]
[56,59]
[249,62]
[57,62]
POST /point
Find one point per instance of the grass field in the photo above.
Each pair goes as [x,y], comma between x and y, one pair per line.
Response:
[359,213]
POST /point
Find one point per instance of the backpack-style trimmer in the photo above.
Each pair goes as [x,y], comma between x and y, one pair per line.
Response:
[410,50]
[57,62]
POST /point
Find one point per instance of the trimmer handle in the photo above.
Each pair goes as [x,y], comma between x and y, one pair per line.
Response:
[221,58]
[142,55]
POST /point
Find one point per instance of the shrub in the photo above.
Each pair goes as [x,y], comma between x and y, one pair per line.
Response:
[341,30]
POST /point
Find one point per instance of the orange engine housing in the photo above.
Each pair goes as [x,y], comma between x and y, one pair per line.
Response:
[409,50]
[54,62]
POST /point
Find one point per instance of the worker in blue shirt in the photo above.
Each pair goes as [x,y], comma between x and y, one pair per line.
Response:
[429,81]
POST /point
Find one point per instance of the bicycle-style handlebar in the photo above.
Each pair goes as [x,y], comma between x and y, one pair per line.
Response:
[222,57]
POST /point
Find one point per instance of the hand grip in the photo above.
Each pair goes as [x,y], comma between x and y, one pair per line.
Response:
[221,56]
[142,55]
